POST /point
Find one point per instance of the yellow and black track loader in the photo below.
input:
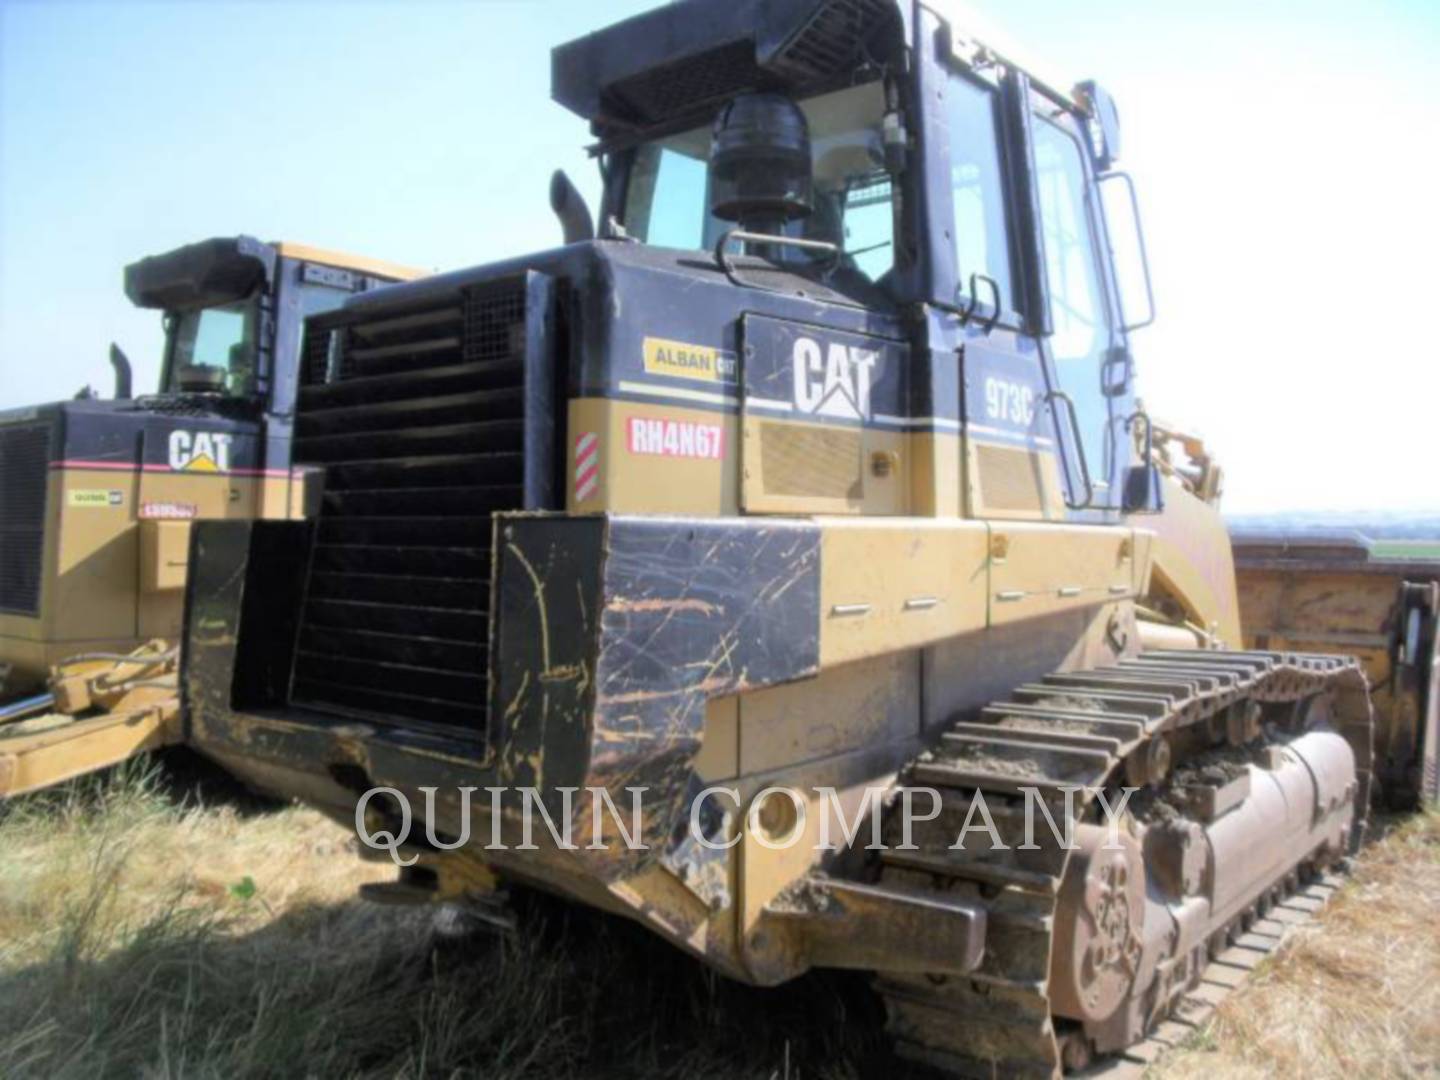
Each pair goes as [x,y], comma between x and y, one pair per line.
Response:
[812,491]
[97,497]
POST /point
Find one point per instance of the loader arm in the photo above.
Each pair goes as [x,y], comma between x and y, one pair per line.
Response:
[98,713]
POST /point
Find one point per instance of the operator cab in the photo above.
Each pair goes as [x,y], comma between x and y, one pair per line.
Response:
[946,176]
[210,295]
[231,305]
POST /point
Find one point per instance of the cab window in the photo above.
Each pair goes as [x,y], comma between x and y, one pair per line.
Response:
[219,340]
[982,232]
[667,197]
[669,194]
[1077,302]
[317,299]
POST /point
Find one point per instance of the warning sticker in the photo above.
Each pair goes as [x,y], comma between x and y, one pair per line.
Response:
[587,465]
[680,360]
[93,497]
[675,438]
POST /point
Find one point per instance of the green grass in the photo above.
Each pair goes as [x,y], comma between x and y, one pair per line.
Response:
[118,958]
[143,935]
[1405,549]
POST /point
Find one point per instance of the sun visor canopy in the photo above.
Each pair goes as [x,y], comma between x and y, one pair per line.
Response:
[688,57]
[211,272]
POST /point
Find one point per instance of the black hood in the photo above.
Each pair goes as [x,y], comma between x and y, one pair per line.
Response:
[125,435]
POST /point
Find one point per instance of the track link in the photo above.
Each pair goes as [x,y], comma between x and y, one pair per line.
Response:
[1225,973]
[1084,732]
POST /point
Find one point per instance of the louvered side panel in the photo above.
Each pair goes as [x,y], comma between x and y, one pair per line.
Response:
[425,424]
[24,475]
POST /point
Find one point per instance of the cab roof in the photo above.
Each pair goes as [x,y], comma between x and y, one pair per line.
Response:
[359,263]
[685,57]
[226,268]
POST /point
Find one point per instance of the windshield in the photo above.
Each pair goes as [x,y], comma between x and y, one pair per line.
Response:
[668,198]
[220,338]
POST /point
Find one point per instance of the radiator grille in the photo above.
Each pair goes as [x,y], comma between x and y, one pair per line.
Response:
[1009,479]
[24,477]
[419,422]
[811,462]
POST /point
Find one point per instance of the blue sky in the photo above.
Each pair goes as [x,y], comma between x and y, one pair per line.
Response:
[1284,151]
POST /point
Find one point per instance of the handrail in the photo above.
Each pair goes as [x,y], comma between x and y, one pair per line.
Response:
[1089,500]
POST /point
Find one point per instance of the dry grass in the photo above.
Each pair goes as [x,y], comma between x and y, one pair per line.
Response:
[1357,994]
[145,936]
[139,937]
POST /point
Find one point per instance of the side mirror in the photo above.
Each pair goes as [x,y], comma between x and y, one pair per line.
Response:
[1116,371]
[1143,493]
[1127,249]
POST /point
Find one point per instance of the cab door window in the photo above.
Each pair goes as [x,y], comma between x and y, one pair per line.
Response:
[1078,307]
[982,231]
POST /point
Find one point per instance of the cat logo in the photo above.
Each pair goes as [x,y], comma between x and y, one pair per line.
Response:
[199,451]
[834,381]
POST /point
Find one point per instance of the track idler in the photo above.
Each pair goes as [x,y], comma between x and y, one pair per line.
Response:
[1139,911]
[1099,925]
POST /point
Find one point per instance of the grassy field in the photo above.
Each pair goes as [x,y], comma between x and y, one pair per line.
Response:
[1354,995]
[1406,549]
[145,935]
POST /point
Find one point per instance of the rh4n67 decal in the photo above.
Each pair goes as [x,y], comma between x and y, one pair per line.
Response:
[675,438]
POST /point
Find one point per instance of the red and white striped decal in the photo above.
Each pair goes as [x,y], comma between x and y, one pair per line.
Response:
[587,465]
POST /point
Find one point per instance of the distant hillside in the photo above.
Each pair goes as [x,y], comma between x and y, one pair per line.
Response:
[1379,525]
[1389,535]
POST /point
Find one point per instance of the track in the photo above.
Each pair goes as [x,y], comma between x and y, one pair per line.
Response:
[1227,972]
[1091,731]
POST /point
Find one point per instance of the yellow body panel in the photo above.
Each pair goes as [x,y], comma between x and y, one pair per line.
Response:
[1193,564]
[1040,569]
[112,576]
[29,762]
[888,584]
[631,481]
[868,472]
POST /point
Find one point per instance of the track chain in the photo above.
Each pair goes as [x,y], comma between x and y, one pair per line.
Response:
[1088,730]
[1225,973]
